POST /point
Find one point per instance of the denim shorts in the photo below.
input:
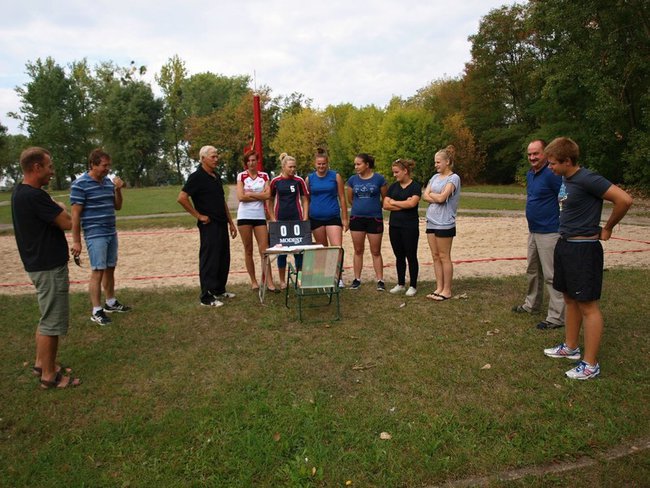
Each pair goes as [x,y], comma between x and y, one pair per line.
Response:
[102,251]
[52,288]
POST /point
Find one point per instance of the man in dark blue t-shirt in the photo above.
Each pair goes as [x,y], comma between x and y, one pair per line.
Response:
[543,216]
[39,223]
[578,259]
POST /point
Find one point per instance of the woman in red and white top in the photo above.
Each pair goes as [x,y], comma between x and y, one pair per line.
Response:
[253,191]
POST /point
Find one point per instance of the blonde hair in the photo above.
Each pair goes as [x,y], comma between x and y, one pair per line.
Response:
[285,158]
[406,164]
[449,153]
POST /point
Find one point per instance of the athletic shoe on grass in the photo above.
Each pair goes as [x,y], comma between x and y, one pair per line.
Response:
[225,294]
[356,284]
[381,286]
[100,317]
[397,289]
[212,303]
[562,351]
[411,292]
[118,307]
[583,371]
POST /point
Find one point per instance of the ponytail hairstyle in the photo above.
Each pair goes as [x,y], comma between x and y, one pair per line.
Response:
[406,164]
[449,154]
[285,158]
[321,153]
[247,155]
[368,159]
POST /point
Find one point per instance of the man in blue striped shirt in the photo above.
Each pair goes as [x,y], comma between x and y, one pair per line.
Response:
[94,198]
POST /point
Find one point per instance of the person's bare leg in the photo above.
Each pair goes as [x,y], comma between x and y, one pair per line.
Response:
[358,241]
[444,251]
[593,329]
[108,283]
[334,235]
[282,273]
[573,320]
[46,349]
[437,264]
[375,250]
[95,287]
[262,237]
[320,235]
[246,233]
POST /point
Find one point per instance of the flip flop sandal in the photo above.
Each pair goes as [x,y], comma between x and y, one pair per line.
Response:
[48,385]
[36,371]
[440,298]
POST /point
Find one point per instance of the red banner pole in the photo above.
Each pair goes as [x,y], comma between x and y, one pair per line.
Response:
[257,127]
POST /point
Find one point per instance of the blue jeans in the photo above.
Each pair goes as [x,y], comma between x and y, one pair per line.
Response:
[102,252]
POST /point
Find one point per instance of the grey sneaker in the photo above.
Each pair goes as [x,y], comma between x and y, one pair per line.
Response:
[100,318]
[562,351]
[118,307]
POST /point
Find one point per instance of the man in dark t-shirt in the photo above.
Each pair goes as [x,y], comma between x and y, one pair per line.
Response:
[578,257]
[208,206]
[39,223]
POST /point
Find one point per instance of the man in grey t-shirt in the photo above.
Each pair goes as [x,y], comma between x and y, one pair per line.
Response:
[578,259]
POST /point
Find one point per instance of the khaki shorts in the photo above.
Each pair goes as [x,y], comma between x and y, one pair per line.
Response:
[52,288]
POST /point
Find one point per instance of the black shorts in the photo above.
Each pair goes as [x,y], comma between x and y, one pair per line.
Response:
[578,269]
[253,222]
[369,225]
[315,224]
[443,232]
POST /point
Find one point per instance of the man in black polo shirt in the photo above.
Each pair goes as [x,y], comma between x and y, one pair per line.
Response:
[208,206]
[39,223]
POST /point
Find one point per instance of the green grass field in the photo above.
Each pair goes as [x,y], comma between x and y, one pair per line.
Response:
[160,200]
[180,395]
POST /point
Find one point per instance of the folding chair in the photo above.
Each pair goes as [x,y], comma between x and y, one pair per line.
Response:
[319,276]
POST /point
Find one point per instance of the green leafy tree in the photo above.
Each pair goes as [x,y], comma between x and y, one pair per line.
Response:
[48,112]
[171,80]
[11,145]
[409,132]
[597,83]
[300,134]
[502,83]
[351,131]
[204,93]
[130,122]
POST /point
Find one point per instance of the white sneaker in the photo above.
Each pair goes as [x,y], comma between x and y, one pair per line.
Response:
[562,351]
[213,303]
[397,289]
[225,294]
[341,284]
[411,292]
[583,371]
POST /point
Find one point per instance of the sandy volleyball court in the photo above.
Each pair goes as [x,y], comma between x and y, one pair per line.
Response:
[169,257]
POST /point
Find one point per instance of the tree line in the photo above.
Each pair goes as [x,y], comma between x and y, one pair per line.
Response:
[537,70]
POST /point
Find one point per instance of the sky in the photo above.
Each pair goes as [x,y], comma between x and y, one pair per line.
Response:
[338,51]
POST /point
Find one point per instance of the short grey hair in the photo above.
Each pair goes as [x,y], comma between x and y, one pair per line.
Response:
[205,150]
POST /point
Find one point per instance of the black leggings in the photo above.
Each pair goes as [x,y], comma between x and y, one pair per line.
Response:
[404,241]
